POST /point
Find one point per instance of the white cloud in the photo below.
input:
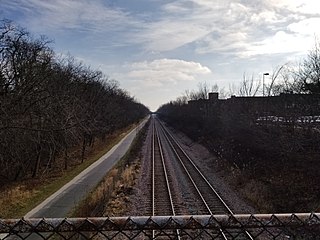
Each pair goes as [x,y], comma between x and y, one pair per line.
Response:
[222,42]
[298,6]
[168,35]
[281,42]
[157,81]
[250,30]
[266,16]
[235,27]
[166,72]
[306,27]
[82,15]
[190,21]
[198,21]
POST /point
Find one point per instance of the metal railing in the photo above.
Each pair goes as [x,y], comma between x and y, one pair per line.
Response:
[260,226]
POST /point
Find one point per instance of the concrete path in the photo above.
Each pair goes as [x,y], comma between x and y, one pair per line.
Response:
[64,200]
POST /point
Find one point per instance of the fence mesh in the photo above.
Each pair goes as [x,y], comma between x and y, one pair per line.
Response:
[259,226]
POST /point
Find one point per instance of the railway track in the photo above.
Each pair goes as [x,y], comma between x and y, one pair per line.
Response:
[213,203]
[207,199]
[161,185]
[162,199]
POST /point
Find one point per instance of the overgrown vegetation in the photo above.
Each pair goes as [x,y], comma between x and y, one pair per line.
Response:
[110,197]
[276,164]
[51,105]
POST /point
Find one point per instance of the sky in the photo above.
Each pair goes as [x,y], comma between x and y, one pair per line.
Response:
[158,49]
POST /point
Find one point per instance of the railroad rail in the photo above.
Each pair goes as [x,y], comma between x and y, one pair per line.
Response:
[207,199]
[161,190]
[162,200]
[212,200]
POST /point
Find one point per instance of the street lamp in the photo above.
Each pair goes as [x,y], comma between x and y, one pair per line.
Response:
[265,74]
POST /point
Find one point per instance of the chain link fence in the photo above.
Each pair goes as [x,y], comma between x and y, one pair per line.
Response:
[259,226]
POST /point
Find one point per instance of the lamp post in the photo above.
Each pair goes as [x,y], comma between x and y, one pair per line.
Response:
[264,74]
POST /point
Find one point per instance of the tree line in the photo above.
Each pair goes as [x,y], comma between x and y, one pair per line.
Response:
[277,153]
[234,122]
[50,103]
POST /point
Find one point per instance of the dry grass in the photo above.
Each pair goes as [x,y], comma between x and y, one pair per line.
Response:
[119,203]
[95,200]
[10,199]
[257,193]
[288,186]
[111,196]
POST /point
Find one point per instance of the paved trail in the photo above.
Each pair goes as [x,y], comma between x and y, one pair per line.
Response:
[64,200]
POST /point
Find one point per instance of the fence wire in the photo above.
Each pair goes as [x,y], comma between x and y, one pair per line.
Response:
[244,226]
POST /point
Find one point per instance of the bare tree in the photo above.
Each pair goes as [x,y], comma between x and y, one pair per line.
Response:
[309,71]
[201,93]
[50,104]
[249,87]
[282,80]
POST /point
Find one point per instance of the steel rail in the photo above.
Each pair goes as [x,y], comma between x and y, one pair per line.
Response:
[202,176]
[165,174]
[157,140]
[153,175]
[193,182]
[199,171]
[190,177]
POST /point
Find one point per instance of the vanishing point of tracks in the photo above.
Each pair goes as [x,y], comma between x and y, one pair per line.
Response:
[171,166]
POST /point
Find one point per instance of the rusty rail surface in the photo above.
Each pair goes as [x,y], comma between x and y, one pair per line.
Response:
[260,226]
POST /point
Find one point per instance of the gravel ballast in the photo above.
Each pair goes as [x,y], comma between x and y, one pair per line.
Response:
[205,161]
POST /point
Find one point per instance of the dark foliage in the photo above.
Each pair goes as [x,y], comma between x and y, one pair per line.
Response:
[279,154]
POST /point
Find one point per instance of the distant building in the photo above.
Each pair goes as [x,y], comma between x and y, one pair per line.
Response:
[285,104]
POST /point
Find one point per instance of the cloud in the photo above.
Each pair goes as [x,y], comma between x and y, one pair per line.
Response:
[157,81]
[168,35]
[306,27]
[280,42]
[206,23]
[81,15]
[297,6]
[235,27]
[222,42]
[165,72]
